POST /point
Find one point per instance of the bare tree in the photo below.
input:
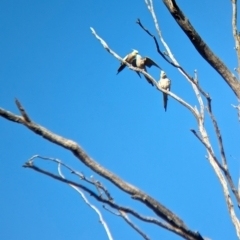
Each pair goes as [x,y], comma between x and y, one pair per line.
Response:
[165,218]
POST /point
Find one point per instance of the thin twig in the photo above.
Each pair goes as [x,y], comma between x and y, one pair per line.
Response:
[208,148]
[175,63]
[238,108]
[22,111]
[156,43]
[89,204]
[123,214]
[111,211]
[187,235]
[118,207]
[171,62]
[202,47]
[184,103]
[82,177]
[125,217]
[150,7]
[158,208]
[223,156]
[217,169]
[236,34]
[227,196]
[204,139]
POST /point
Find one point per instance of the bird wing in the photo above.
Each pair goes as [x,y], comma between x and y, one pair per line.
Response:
[129,58]
[122,65]
[168,84]
[134,63]
[149,62]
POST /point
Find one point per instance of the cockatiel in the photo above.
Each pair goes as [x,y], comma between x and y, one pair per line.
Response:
[142,63]
[164,83]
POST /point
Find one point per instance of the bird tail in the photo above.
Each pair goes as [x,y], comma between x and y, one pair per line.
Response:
[165,100]
[148,78]
[122,66]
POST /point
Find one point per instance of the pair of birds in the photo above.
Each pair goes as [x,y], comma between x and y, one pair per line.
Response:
[142,62]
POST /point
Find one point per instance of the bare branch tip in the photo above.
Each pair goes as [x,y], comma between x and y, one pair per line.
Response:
[93,31]
[17,103]
[28,164]
[22,111]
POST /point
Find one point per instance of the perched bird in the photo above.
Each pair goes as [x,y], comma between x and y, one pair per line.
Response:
[164,83]
[129,58]
[142,63]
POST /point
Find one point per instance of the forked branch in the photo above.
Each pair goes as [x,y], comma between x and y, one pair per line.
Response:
[202,47]
[203,135]
[135,193]
[79,187]
[174,96]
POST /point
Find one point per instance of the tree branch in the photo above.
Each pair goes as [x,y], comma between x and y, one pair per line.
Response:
[154,205]
[204,136]
[202,47]
[171,59]
[180,100]
[102,221]
[112,204]
[97,184]
[125,217]
[223,156]
[235,33]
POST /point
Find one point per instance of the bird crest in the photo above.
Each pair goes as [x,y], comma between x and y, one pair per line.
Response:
[163,74]
[135,51]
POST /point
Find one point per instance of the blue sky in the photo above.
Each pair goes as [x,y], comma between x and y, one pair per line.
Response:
[67,82]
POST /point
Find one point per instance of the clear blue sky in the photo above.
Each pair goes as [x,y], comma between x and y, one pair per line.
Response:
[67,82]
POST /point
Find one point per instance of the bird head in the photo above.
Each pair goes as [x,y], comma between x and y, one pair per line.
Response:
[135,52]
[163,74]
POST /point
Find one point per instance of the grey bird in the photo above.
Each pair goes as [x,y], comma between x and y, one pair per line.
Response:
[142,63]
[129,58]
[164,83]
